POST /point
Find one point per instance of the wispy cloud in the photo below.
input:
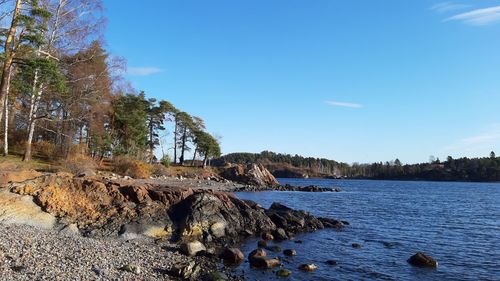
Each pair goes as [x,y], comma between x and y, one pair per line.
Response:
[143,71]
[344,104]
[444,7]
[478,17]
[482,143]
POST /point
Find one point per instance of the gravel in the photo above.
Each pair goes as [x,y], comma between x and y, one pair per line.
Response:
[30,253]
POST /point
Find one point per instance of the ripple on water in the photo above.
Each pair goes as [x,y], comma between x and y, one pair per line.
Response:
[457,223]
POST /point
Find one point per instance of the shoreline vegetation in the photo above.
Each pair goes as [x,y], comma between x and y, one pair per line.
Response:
[486,169]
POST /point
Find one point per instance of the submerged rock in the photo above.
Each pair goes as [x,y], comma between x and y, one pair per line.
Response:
[356,246]
[283,273]
[422,260]
[308,267]
[262,244]
[290,252]
[274,248]
[331,262]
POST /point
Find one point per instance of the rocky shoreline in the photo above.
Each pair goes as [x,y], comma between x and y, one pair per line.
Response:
[157,215]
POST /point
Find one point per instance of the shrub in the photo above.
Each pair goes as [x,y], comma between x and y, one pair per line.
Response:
[79,165]
[132,167]
[165,161]
[160,170]
[45,149]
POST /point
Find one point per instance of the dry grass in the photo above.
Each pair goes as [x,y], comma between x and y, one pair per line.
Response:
[132,167]
[15,163]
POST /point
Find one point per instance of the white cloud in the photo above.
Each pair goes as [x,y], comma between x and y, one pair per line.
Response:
[143,71]
[444,7]
[344,104]
[478,144]
[478,17]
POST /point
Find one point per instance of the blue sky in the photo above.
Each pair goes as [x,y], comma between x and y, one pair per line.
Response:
[351,80]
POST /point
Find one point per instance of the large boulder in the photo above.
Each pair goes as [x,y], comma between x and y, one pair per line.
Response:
[252,174]
[219,216]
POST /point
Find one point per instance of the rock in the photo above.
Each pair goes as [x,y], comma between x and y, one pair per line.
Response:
[280,234]
[217,276]
[71,229]
[331,262]
[188,270]
[17,175]
[283,273]
[196,214]
[259,253]
[252,174]
[298,242]
[274,248]
[262,244]
[422,260]
[192,248]
[257,258]
[356,246]
[267,236]
[293,221]
[232,256]
[218,229]
[132,268]
[265,263]
[308,267]
[290,252]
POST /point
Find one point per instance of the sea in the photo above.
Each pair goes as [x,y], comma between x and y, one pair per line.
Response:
[456,223]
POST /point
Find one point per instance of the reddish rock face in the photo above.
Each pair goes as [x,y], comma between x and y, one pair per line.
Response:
[253,174]
[17,176]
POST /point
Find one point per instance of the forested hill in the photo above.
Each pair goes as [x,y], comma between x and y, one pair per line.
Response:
[485,169]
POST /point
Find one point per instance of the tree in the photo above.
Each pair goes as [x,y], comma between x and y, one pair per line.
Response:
[184,126]
[156,117]
[199,125]
[130,124]
[208,146]
[9,53]
[492,155]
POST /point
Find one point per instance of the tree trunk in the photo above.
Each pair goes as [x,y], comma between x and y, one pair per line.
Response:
[9,54]
[32,119]
[194,155]
[183,148]
[175,139]
[151,144]
[6,116]
[205,160]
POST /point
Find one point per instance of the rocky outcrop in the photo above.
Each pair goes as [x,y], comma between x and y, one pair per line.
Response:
[252,174]
[96,207]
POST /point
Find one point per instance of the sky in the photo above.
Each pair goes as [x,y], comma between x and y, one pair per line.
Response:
[349,80]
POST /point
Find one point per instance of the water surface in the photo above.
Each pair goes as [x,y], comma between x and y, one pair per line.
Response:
[456,223]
